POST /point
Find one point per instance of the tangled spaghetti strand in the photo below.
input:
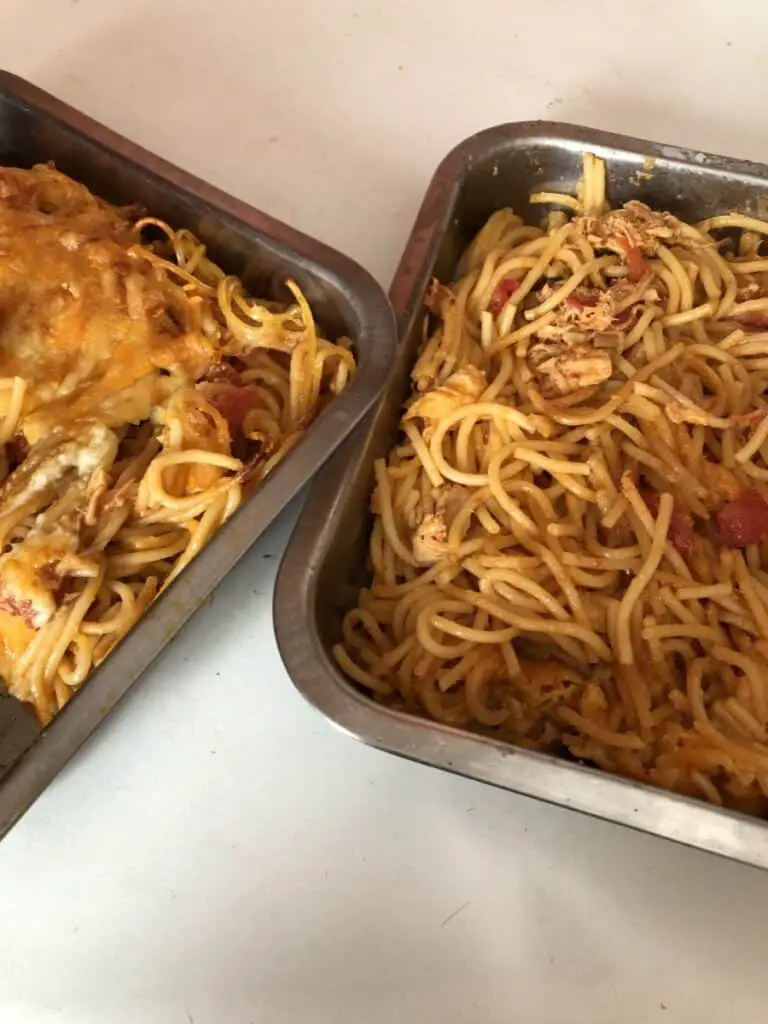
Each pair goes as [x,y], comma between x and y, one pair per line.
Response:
[143,392]
[570,538]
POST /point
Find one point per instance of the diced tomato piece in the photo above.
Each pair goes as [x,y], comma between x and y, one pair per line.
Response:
[743,521]
[233,402]
[635,263]
[680,526]
[502,293]
[754,322]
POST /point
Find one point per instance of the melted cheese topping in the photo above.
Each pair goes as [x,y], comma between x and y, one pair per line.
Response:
[16,634]
[24,589]
[83,318]
[101,342]
[142,390]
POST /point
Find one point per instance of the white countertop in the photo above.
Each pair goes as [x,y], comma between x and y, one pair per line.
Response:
[218,854]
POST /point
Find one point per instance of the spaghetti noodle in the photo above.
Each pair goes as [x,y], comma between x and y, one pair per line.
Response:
[570,538]
[143,392]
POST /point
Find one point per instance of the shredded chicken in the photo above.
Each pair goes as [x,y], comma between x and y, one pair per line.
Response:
[33,568]
[101,499]
[55,457]
[429,539]
[635,226]
[95,491]
[463,387]
[604,311]
[577,366]
[431,520]
[445,501]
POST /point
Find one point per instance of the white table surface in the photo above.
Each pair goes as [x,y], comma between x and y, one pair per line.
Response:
[218,854]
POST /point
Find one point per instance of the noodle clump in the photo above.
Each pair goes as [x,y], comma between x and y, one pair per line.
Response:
[143,392]
[570,538]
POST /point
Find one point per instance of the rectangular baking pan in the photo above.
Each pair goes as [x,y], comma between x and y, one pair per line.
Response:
[35,127]
[323,567]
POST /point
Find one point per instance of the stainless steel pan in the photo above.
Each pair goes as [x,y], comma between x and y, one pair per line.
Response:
[35,127]
[324,564]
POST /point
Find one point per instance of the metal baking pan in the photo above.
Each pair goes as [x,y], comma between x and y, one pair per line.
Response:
[35,127]
[324,564]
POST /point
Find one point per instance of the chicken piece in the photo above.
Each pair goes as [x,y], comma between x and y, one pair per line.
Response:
[594,313]
[432,519]
[578,366]
[544,350]
[95,492]
[599,311]
[429,539]
[463,387]
[51,460]
[634,231]
[635,226]
[101,498]
[32,569]
[445,501]
[721,482]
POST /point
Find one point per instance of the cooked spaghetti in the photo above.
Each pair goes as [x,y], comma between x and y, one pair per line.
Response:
[142,393]
[570,538]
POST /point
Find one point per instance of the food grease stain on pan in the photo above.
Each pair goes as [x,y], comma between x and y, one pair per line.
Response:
[645,173]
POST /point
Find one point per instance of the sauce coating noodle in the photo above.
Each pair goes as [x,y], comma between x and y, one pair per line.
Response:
[570,537]
[143,392]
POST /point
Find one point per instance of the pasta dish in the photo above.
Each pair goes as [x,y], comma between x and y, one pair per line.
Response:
[142,392]
[569,547]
